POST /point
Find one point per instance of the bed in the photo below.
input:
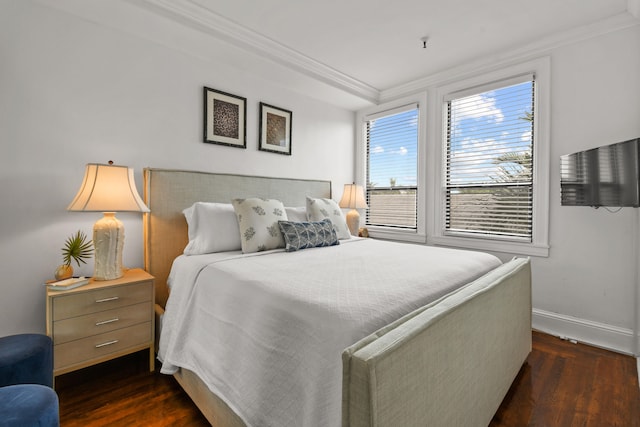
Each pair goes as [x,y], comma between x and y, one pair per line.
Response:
[446,358]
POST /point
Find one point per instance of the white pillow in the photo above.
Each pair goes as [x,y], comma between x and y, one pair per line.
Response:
[213,227]
[258,223]
[297,214]
[319,209]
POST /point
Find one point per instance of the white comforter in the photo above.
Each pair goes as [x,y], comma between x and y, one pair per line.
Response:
[266,331]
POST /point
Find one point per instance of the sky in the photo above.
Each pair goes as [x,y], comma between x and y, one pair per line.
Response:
[486,126]
[393,154]
[490,120]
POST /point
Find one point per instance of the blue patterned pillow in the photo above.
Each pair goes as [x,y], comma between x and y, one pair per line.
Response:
[303,235]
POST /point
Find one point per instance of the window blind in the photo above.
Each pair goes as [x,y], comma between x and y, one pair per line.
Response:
[392,161]
[489,161]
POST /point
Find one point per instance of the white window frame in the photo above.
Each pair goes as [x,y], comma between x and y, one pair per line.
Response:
[539,246]
[393,233]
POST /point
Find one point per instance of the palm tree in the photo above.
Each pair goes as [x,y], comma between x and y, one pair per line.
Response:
[528,116]
[513,166]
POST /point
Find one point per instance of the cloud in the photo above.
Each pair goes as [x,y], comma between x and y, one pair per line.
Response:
[402,151]
[468,167]
[377,150]
[481,106]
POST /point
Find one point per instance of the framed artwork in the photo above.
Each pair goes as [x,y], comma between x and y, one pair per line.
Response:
[225,118]
[275,129]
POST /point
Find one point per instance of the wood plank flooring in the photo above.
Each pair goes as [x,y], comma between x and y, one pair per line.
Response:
[561,384]
[564,384]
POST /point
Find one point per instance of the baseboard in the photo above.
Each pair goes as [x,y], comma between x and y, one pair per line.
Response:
[586,331]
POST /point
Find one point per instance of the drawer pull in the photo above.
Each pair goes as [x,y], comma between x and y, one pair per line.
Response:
[104,322]
[104,344]
[107,299]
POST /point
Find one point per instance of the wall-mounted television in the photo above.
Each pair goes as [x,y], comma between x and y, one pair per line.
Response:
[603,176]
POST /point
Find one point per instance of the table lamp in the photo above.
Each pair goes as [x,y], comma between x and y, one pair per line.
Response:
[108,189]
[353,198]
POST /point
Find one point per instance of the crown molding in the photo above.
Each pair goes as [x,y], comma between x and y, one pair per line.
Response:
[532,50]
[200,18]
[196,16]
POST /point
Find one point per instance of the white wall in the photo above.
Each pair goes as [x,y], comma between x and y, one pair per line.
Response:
[586,288]
[74,92]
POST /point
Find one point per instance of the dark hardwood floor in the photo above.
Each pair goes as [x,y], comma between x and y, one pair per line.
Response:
[123,392]
[564,384]
[561,384]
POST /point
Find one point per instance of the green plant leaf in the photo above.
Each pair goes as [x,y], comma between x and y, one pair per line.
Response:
[77,247]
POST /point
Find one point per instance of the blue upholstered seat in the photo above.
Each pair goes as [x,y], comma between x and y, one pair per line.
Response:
[26,380]
[26,359]
[28,405]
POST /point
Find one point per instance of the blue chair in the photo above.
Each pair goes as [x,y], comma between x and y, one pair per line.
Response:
[26,359]
[28,405]
[26,379]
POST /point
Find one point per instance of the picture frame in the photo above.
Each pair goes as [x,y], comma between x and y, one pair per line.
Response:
[275,129]
[225,118]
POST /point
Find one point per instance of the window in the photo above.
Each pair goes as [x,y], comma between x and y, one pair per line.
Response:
[490,165]
[489,162]
[391,144]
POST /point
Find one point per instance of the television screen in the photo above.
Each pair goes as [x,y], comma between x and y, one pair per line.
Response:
[603,176]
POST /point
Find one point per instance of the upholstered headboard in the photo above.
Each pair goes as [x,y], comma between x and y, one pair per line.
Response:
[167,192]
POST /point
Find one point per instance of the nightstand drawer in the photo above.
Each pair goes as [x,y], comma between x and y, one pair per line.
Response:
[98,323]
[98,346]
[82,303]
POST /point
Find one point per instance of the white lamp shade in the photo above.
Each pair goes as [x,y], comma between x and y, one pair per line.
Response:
[108,188]
[353,197]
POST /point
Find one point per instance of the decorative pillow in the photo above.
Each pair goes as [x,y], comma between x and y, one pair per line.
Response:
[297,214]
[258,223]
[303,235]
[319,209]
[213,227]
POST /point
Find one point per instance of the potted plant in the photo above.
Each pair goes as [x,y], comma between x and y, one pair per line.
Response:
[75,248]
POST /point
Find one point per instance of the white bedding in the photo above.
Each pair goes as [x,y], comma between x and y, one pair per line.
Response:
[266,331]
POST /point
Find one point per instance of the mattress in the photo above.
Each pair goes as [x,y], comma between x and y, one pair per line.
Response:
[265,331]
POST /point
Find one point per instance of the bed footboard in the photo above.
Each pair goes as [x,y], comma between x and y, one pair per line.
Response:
[449,363]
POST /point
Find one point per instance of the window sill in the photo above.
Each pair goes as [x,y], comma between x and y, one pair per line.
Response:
[398,235]
[502,246]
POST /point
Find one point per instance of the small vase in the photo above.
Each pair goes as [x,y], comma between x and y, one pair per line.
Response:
[63,272]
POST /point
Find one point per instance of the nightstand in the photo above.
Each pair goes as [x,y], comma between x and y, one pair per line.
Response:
[101,320]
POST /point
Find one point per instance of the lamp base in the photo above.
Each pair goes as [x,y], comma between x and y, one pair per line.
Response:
[108,241]
[353,222]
